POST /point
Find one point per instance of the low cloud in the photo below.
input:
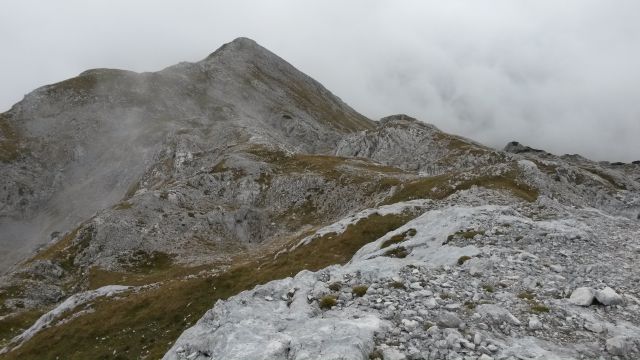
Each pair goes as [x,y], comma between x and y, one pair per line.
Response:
[555,75]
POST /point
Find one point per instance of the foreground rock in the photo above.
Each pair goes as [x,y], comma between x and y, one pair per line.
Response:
[428,305]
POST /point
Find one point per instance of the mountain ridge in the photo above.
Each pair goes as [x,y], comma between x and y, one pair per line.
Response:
[232,178]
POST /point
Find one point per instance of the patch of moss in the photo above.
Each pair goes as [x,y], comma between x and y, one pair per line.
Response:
[463,259]
[9,141]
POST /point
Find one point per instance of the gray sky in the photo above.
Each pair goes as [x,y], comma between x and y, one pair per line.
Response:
[559,75]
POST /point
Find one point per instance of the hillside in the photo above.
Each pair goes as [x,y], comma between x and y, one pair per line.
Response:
[135,202]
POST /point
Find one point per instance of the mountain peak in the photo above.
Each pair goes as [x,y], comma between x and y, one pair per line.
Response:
[240,45]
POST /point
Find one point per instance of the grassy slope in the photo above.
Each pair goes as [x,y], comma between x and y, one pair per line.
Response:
[145,324]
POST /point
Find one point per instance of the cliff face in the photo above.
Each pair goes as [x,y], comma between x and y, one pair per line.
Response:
[153,195]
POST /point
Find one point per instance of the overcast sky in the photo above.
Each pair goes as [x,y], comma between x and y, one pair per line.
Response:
[559,75]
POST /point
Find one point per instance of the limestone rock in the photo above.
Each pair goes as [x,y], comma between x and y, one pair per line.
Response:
[582,296]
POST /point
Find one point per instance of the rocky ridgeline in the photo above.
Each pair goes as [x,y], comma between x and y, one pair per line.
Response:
[481,282]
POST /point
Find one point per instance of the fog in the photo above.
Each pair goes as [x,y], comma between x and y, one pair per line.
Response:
[561,76]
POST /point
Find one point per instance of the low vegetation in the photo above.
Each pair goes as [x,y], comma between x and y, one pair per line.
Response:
[327,302]
[463,259]
[397,252]
[440,187]
[9,141]
[146,323]
[359,290]
[398,238]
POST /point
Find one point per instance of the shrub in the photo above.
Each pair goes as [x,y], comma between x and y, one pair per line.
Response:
[397,285]
[327,302]
[360,290]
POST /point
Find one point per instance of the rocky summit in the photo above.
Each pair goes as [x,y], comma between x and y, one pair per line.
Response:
[234,208]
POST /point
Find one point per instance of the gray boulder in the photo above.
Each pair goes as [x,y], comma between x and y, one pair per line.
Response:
[582,296]
[608,296]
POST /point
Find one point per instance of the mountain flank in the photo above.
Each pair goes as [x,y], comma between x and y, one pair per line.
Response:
[234,208]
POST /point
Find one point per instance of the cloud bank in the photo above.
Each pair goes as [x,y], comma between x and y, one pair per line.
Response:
[555,75]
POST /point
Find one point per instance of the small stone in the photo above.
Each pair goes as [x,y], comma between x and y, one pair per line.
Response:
[392,354]
[593,327]
[608,296]
[582,296]
[448,320]
[268,298]
[409,324]
[497,314]
[431,303]
[485,357]
[618,345]
[556,268]
[534,323]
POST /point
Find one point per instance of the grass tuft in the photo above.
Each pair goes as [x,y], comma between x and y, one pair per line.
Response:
[360,290]
[327,302]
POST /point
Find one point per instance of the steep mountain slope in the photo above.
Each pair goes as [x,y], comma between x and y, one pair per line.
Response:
[320,233]
[78,146]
